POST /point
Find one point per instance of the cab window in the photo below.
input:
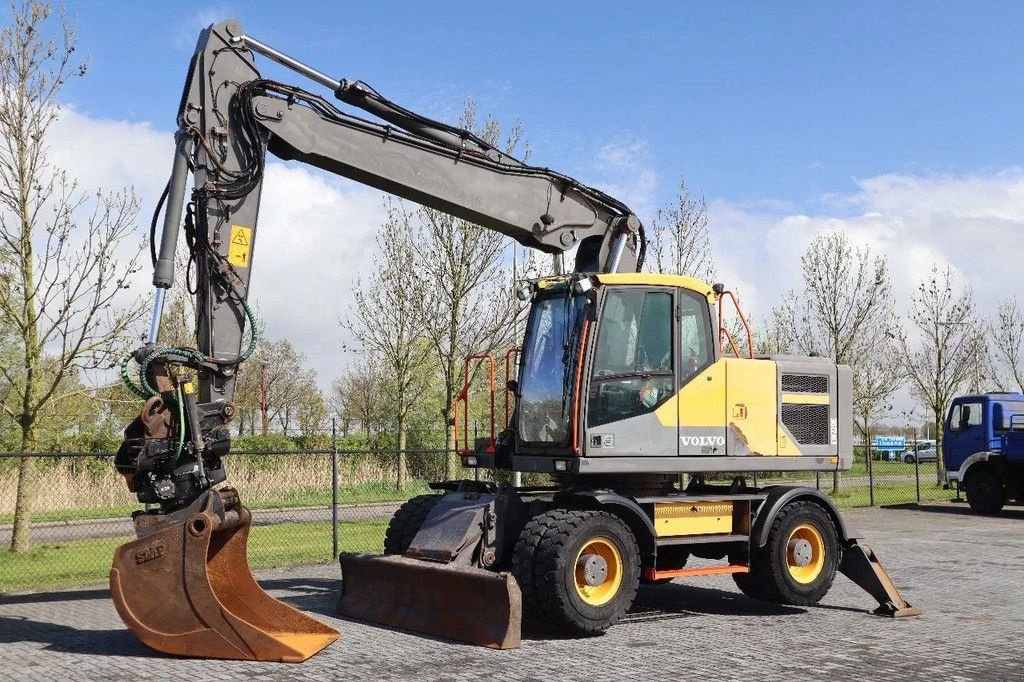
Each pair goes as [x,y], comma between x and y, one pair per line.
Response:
[633,369]
[1010,416]
[964,416]
[696,350]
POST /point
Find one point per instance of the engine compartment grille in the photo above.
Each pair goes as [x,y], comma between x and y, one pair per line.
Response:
[804,383]
[807,423]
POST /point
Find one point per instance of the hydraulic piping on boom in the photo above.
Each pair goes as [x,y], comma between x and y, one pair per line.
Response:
[229,117]
[624,385]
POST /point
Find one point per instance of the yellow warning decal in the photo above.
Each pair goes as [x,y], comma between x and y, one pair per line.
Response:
[240,246]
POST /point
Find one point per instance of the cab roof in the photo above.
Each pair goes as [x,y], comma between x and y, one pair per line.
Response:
[994,395]
[639,279]
[655,279]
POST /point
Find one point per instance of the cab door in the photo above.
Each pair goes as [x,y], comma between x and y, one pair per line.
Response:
[965,433]
[702,380]
[631,401]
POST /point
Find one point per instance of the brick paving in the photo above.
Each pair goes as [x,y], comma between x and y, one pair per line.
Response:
[965,571]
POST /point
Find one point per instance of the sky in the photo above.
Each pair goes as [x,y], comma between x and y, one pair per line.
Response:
[896,122]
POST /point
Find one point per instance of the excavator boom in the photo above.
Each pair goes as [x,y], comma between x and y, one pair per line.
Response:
[622,387]
[228,119]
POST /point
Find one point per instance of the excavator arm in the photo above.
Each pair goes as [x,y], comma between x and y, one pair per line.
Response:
[228,119]
[192,536]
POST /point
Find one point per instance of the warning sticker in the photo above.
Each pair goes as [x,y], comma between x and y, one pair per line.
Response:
[240,246]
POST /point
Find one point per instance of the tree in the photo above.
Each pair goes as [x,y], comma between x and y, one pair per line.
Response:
[982,375]
[845,313]
[358,398]
[878,374]
[388,322]
[787,329]
[63,280]
[679,241]
[1008,339]
[289,386]
[939,363]
[465,301]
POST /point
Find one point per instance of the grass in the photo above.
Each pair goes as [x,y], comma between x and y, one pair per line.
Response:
[88,561]
[887,494]
[369,491]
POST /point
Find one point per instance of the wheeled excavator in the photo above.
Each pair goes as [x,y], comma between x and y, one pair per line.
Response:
[624,387]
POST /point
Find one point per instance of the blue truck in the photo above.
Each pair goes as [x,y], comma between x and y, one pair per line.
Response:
[983,449]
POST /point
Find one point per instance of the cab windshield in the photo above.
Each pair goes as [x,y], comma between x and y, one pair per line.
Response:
[549,353]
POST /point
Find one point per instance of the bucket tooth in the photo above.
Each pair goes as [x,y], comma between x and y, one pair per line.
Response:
[861,565]
[185,588]
[465,604]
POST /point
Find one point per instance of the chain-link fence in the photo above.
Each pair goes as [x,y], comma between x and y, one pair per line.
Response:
[310,504]
[307,505]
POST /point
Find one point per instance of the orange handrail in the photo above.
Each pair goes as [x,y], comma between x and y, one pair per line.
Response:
[723,332]
[464,398]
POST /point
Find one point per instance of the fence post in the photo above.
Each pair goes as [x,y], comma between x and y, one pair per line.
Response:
[334,487]
[871,469]
[917,469]
[817,480]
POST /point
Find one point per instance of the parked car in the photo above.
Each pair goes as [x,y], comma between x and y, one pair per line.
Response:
[926,452]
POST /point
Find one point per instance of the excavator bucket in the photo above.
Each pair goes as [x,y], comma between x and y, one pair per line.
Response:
[185,588]
[861,565]
[455,602]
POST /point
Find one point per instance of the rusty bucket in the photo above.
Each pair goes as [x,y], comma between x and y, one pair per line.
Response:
[185,588]
[455,602]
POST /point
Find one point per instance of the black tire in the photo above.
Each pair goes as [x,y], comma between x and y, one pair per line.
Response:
[406,523]
[750,586]
[985,493]
[544,564]
[908,459]
[771,576]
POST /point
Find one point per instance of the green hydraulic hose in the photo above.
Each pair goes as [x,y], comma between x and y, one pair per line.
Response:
[181,426]
[146,390]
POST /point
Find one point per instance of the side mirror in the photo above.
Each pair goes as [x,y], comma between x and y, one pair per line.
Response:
[513,386]
[965,416]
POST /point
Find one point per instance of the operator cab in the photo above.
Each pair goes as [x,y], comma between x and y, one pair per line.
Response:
[600,357]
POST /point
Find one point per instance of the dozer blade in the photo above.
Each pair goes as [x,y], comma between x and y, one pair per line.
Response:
[465,604]
[861,565]
[185,588]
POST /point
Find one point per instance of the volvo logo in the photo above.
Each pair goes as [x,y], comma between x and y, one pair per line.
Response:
[702,440]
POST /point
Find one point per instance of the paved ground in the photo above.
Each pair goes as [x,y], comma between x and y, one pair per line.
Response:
[965,571]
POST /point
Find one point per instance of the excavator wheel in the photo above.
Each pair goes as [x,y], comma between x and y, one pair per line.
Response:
[407,522]
[798,563]
[578,569]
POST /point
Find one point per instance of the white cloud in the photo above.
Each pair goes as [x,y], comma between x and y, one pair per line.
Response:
[316,232]
[316,235]
[975,224]
[625,170]
[187,31]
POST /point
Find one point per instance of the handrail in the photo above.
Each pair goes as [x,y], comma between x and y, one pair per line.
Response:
[464,398]
[723,332]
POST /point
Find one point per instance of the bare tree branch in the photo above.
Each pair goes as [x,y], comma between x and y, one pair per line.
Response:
[61,282]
